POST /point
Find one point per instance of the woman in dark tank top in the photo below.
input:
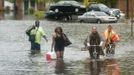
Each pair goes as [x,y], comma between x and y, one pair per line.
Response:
[58,42]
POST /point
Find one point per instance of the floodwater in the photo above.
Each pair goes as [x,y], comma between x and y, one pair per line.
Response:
[18,15]
[15,58]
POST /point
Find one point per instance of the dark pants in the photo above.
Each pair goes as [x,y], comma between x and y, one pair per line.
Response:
[32,45]
[35,47]
[91,51]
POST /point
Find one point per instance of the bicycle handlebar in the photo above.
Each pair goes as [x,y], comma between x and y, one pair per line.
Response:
[110,44]
[94,45]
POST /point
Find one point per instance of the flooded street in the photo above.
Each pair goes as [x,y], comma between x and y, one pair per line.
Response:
[15,58]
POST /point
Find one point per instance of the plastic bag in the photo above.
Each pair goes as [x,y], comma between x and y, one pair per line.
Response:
[50,55]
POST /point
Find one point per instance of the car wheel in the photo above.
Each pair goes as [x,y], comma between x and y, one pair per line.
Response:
[76,10]
[98,21]
[56,10]
[65,19]
[115,21]
[81,21]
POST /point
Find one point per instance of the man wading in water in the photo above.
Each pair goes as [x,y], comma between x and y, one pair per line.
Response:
[35,34]
[94,39]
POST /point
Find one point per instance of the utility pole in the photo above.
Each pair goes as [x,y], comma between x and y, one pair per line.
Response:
[19,5]
[18,9]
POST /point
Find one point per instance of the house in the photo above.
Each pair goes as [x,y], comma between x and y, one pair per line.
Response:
[8,5]
[4,4]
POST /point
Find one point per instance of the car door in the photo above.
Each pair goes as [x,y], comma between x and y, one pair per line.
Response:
[90,18]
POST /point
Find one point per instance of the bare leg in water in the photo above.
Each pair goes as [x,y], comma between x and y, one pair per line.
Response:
[59,54]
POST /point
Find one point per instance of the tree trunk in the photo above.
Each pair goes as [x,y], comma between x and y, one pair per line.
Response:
[41,6]
[18,9]
[19,6]
[132,16]
[127,8]
[132,27]
[18,15]
[1,5]
[1,15]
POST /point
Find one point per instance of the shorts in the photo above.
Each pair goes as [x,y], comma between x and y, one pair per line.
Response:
[37,46]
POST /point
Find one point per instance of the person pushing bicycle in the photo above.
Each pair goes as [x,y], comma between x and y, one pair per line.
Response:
[111,37]
[94,42]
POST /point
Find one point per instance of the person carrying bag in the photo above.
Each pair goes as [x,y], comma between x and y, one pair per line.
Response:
[59,42]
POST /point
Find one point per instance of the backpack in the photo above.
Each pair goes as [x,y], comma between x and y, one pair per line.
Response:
[115,38]
[28,31]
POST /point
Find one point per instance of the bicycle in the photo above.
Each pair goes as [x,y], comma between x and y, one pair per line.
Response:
[96,54]
[95,62]
[110,49]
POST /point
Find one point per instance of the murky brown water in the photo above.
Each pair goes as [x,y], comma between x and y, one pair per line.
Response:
[16,60]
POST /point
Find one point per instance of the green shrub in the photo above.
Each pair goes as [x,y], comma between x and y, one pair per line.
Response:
[31,10]
[39,14]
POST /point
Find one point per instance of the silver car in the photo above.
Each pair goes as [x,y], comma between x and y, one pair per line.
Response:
[96,17]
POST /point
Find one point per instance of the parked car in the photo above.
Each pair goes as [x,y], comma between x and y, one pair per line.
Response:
[104,8]
[98,7]
[65,9]
[96,17]
[57,16]
[68,6]
[117,13]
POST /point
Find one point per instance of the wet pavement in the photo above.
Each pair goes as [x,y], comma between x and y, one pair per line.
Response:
[15,58]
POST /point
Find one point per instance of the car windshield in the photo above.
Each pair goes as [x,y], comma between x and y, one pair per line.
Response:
[89,14]
[100,14]
[69,2]
[103,7]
